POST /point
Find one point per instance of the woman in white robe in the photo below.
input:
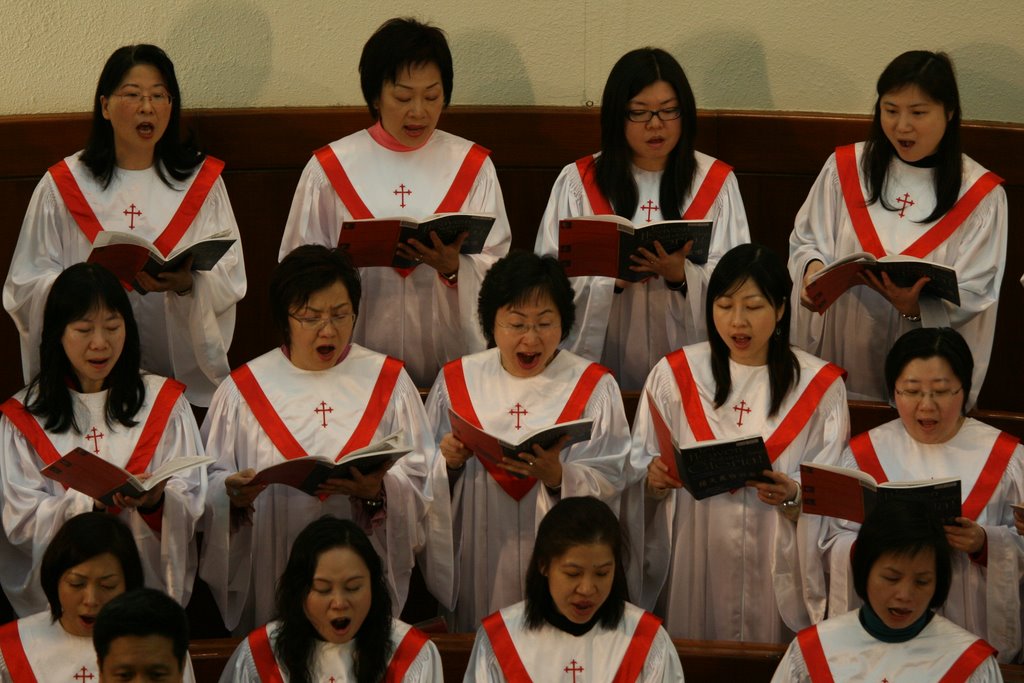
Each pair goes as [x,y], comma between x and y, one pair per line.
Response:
[928,372]
[134,176]
[647,171]
[710,564]
[923,199]
[319,394]
[89,394]
[523,385]
[902,571]
[333,619]
[404,166]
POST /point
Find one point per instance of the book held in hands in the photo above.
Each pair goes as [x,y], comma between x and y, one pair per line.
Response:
[602,245]
[372,242]
[309,472]
[493,449]
[126,254]
[832,281]
[708,468]
[100,479]
[852,494]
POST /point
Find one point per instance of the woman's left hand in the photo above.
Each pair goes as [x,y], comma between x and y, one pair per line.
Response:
[903,299]
[147,500]
[965,535]
[544,464]
[366,486]
[444,258]
[780,490]
[671,267]
[179,280]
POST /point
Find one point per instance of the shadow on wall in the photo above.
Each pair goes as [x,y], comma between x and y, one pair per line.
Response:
[489,69]
[222,52]
[991,85]
[726,69]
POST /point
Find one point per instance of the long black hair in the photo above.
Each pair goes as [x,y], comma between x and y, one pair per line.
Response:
[760,265]
[176,158]
[571,522]
[932,73]
[79,290]
[613,170]
[295,640]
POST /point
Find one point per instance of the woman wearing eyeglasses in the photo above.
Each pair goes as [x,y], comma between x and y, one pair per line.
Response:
[318,394]
[136,175]
[521,384]
[647,171]
[928,373]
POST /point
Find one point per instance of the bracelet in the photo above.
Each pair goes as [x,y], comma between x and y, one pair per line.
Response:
[911,318]
[184,292]
[452,278]
[677,286]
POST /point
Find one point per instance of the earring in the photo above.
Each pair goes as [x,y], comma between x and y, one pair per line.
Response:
[778,330]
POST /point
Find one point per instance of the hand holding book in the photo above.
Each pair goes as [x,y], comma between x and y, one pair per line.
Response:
[444,258]
[966,535]
[543,463]
[669,266]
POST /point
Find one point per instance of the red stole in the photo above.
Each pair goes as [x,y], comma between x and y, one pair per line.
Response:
[451,202]
[191,203]
[853,196]
[790,427]
[462,403]
[991,473]
[18,666]
[629,669]
[278,431]
[699,206]
[817,663]
[266,664]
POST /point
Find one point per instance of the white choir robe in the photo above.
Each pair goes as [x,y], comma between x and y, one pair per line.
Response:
[335,662]
[420,318]
[984,600]
[493,532]
[854,655]
[549,654]
[35,507]
[242,567]
[629,332]
[185,337]
[858,330]
[720,568]
[52,653]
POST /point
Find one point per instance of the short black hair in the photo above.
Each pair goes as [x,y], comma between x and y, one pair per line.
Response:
[521,277]
[141,612]
[930,342]
[302,273]
[82,538]
[583,520]
[399,44]
[905,528]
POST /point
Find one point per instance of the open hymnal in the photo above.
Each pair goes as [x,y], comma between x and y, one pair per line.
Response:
[126,254]
[371,242]
[832,281]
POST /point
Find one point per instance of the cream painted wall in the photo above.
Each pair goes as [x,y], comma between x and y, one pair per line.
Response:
[807,55]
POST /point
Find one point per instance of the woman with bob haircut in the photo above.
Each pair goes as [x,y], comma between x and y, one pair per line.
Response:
[907,190]
[333,619]
[318,394]
[91,560]
[523,383]
[928,373]
[90,394]
[710,562]
[136,175]
[902,571]
[647,159]
[576,615]
[403,165]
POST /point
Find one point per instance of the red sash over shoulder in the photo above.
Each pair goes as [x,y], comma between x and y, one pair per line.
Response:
[18,667]
[853,196]
[630,668]
[405,654]
[790,427]
[991,473]
[699,206]
[282,438]
[462,403]
[968,662]
[263,656]
[191,203]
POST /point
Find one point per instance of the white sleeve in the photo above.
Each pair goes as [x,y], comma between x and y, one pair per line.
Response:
[241,668]
[316,213]
[662,665]
[987,672]
[792,668]
[483,666]
[598,467]
[426,668]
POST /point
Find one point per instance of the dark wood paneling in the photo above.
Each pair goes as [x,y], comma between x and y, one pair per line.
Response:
[777,155]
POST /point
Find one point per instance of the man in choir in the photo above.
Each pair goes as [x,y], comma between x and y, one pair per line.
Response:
[141,635]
